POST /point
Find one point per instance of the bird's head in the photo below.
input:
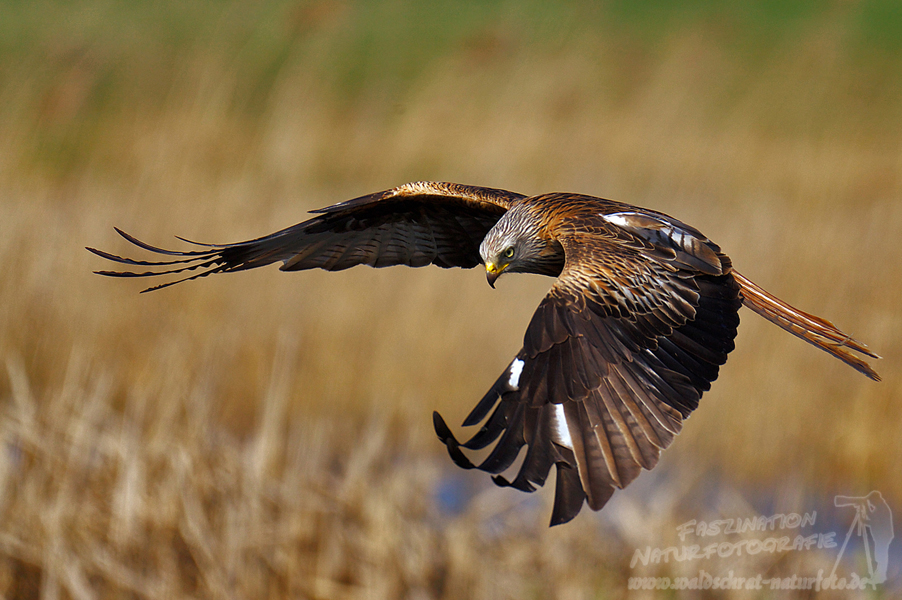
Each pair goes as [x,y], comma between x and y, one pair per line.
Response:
[513,245]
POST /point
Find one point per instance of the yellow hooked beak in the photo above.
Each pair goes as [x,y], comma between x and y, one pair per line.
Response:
[492,272]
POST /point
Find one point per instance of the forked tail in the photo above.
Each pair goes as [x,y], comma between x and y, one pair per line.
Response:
[817,331]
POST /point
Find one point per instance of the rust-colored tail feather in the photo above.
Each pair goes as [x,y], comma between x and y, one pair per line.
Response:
[814,330]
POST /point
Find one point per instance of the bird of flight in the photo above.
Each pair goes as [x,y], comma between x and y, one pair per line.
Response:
[633,331]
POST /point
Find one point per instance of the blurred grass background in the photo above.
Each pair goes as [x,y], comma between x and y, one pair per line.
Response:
[193,442]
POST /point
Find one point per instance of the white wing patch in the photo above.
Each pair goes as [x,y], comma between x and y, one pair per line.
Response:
[561,434]
[637,221]
[617,219]
[516,369]
[690,245]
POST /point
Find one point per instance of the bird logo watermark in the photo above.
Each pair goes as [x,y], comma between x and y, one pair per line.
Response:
[873,523]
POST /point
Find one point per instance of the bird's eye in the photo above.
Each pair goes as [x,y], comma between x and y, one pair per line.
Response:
[509,253]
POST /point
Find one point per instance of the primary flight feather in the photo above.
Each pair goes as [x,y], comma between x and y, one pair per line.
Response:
[634,330]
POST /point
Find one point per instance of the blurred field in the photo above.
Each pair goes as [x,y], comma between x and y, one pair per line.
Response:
[269,435]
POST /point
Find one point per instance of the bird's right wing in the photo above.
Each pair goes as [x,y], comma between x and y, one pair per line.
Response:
[615,357]
[416,224]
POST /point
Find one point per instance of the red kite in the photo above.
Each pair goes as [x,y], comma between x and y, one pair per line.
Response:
[642,314]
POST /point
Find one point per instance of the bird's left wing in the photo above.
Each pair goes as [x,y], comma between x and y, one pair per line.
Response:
[615,357]
[415,224]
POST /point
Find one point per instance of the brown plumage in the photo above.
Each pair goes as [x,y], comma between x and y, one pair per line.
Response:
[633,331]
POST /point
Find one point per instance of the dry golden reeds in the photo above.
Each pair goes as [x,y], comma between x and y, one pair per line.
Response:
[268,435]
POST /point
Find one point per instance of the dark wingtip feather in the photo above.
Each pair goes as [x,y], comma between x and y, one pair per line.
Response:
[441,428]
[124,274]
[483,407]
[132,239]
[186,240]
[444,434]
[191,257]
[568,496]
